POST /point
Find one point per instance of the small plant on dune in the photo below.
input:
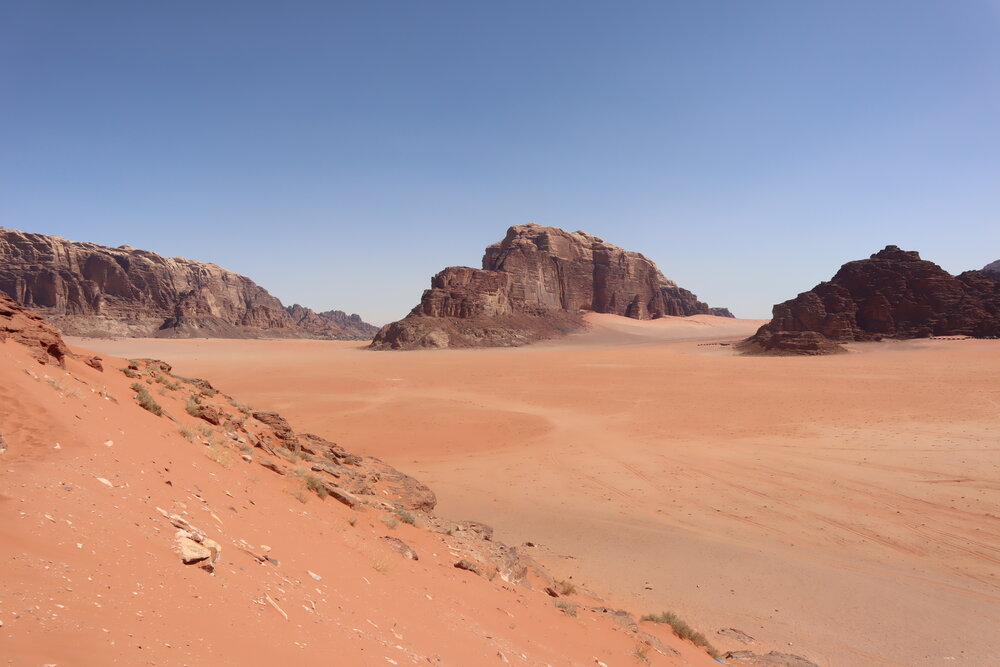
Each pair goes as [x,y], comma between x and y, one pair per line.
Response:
[220,456]
[172,386]
[145,400]
[565,587]
[206,430]
[242,407]
[380,563]
[682,630]
[566,606]
[129,373]
[406,517]
[312,482]
[187,434]
[352,520]
[298,494]
[641,653]
[390,521]
[192,406]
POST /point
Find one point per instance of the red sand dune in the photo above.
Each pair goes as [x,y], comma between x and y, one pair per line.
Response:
[91,576]
[843,508]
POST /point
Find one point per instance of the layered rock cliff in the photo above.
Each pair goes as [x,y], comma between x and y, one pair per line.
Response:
[87,289]
[535,284]
[893,294]
[992,267]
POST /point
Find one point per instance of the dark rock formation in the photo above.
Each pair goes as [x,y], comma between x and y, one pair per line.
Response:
[91,290]
[992,267]
[893,294]
[20,325]
[535,284]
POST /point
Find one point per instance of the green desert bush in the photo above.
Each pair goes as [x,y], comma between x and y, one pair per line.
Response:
[146,400]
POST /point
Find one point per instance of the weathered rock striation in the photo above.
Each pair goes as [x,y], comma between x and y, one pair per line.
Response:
[87,289]
[535,284]
[992,267]
[20,325]
[893,294]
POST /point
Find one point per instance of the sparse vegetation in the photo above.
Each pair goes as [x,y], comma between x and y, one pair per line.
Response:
[129,373]
[565,587]
[288,454]
[406,517]
[298,494]
[641,653]
[193,406]
[205,430]
[380,563]
[352,520]
[242,407]
[188,434]
[567,607]
[312,482]
[682,630]
[220,455]
[146,400]
[390,521]
[352,460]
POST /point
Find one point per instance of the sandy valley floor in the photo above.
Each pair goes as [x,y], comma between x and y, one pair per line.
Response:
[843,508]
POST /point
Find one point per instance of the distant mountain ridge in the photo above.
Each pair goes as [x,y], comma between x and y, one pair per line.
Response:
[535,284]
[87,289]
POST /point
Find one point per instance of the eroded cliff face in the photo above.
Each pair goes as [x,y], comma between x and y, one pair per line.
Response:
[535,284]
[893,294]
[87,289]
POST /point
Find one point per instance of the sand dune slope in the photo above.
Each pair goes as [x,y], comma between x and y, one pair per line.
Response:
[92,575]
[845,508]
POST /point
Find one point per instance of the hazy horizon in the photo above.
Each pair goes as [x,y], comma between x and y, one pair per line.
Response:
[340,155]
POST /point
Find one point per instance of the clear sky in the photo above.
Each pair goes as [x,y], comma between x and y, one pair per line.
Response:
[340,153]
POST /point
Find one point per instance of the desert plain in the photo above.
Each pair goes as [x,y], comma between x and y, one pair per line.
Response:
[845,508]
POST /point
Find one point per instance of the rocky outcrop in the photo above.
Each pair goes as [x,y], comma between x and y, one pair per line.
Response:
[535,284]
[88,289]
[992,267]
[893,294]
[20,325]
[331,323]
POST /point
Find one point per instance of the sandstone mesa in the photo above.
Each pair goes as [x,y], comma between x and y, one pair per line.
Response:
[534,285]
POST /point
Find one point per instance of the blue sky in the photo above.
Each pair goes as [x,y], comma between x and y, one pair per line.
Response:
[340,153]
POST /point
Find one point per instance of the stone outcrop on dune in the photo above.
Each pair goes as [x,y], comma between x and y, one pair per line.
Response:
[535,284]
[20,325]
[893,294]
[88,289]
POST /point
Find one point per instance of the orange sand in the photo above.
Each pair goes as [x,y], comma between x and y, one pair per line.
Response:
[90,577]
[844,508]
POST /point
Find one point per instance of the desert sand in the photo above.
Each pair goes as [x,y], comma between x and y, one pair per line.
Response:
[844,508]
[92,488]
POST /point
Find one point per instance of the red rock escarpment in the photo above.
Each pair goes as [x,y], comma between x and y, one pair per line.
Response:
[88,289]
[893,294]
[535,284]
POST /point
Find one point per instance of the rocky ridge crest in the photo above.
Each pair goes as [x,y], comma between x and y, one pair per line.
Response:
[87,289]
